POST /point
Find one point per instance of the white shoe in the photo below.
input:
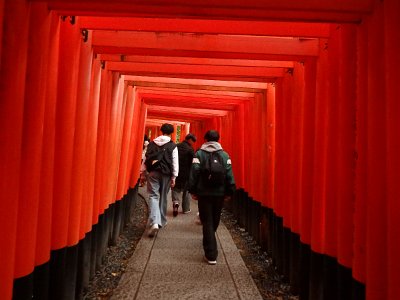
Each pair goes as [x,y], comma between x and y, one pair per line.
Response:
[153,230]
[198,221]
[210,262]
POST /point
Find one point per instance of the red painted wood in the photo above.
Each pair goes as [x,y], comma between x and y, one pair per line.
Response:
[43,237]
[12,81]
[239,27]
[32,139]
[332,10]
[392,44]
[330,196]
[91,147]
[193,70]
[376,201]
[79,180]
[296,147]
[206,42]
[1,25]
[113,141]
[100,146]
[346,103]
[308,124]
[142,109]
[125,143]
[65,128]
[360,209]
[320,152]
[270,135]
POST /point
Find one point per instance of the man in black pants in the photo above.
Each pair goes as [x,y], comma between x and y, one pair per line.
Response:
[210,162]
[186,154]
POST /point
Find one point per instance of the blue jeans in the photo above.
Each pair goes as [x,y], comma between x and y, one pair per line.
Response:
[158,186]
[210,208]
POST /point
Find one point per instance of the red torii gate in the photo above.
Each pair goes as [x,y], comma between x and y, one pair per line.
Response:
[318,188]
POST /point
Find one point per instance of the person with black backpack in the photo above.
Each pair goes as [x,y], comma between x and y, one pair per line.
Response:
[211,182]
[180,190]
[163,167]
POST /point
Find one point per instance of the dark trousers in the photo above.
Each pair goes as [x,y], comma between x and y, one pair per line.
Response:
[210,208]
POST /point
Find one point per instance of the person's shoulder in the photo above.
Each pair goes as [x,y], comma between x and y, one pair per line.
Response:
[170,145]
[225,154]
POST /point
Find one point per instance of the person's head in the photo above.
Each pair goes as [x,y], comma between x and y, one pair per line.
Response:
[190,138]
[167,129]
[211,136]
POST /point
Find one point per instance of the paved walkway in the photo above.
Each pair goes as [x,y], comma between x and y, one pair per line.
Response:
[171,265]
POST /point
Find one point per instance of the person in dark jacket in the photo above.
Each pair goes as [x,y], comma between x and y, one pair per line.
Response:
[186,154]
[210,198]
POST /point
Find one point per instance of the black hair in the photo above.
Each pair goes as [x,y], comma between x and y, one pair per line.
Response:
[190,137]
[212,136]
[167,128]
[146,138]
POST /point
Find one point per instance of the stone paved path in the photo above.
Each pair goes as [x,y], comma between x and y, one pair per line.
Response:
[171,265]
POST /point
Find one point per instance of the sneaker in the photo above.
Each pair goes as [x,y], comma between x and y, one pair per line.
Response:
[210,262]
[188,211]
[153,230]
[175,209]
[198,221]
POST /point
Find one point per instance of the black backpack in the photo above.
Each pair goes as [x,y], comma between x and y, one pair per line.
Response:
[213,171]
[159,158]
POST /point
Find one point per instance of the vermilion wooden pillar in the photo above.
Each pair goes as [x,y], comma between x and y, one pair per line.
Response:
[12,90]
[126,138]
[308,128]
[332,147]
[321,131]
[134,136]
[113,143]
[360,207]
[65,128]
[120,133]
[320,152]
[376,253]
[91,145]
[43,238]
[392,63]
[1,25]
[296,147]
[142,109]
[345,156]
[77,205]
[270,132]
[32,139]
[249,136]
[100,145]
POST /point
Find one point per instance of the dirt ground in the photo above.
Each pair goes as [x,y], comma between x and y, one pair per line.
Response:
[269,283]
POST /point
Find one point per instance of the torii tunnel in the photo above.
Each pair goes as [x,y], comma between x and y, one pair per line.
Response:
[305,94]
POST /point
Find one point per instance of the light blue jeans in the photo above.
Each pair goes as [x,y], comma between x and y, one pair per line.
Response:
[158,186]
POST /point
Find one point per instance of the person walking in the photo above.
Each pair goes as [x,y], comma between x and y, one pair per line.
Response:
[163,167]
[186,154]
[211,182]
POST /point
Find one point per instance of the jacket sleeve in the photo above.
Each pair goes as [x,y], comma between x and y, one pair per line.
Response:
[194,174]
[230,185]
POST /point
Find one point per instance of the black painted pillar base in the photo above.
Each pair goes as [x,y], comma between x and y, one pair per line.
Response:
[41,279]
[23,288]
[57,273]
